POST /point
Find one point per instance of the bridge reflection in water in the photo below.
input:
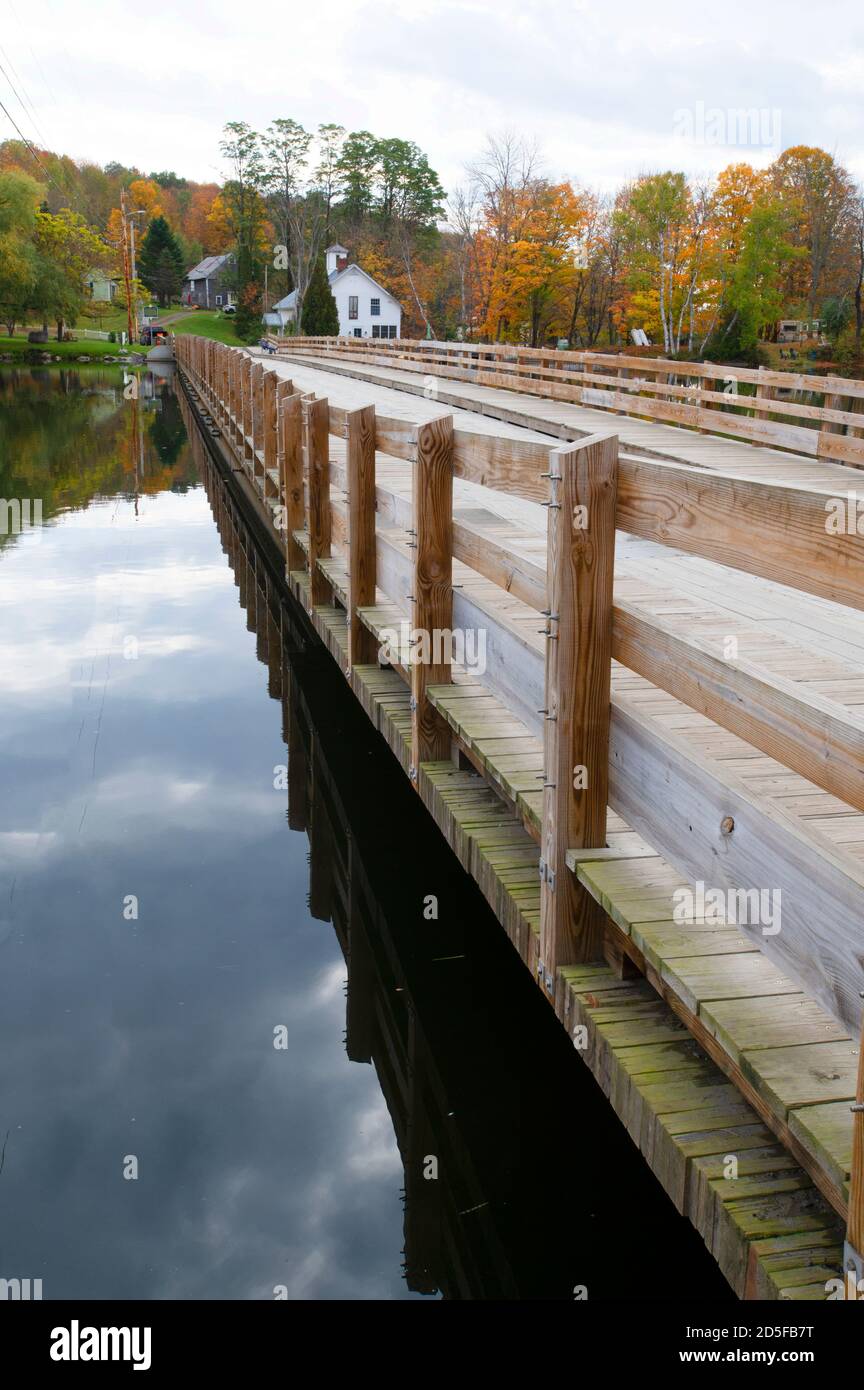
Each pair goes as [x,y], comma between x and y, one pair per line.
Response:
[519,1180]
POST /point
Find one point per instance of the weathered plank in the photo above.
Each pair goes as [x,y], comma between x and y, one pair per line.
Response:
[784,539]
[318,452]
[806,731]
[360,471]
[580,561]
[291,460]
[432,596]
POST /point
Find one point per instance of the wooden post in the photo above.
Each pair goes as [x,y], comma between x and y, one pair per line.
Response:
[224,393]
[258,424]
[232,396]
[580,560]
[360,472]
[283,391]
[237,398]
[269,385]
[318,424]
[291,433]
[246,412]
[432,491]
[854,1250]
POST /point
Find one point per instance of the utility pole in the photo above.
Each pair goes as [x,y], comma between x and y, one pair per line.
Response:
[132,217]
[127,221]
[127,279]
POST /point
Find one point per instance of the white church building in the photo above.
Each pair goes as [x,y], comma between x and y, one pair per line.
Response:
[366,309]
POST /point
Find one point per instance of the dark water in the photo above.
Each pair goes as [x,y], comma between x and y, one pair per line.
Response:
[170,908]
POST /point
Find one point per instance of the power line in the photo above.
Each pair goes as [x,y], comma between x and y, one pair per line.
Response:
[49,176]
[45,83]
[31,114]
[67,193]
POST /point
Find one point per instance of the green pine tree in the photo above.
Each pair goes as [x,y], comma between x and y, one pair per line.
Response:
[320,317]
[161,266]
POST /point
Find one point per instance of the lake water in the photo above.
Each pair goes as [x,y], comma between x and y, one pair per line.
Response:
[194,1100]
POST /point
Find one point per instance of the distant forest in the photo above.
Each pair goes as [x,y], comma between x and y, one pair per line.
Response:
[705,266]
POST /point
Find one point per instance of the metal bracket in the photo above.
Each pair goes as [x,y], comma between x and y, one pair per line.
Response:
[853,1263]
[412,703]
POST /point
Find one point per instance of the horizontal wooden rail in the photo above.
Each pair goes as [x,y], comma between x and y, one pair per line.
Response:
[538,359]
[655,388]
[664,789]
[809,733]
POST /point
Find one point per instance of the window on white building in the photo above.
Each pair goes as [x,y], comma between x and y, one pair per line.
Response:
[376,330]
[353,304]
[392,333]
[374,307]
[358,332]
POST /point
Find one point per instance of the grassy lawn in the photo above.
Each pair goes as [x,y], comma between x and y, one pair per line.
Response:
[207,323]
[91,347]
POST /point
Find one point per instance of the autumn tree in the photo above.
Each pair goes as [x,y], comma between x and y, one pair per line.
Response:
[753,297]
[68,250]
[20,197]
[244,212]
[821,196]
[501,178]
[355,168]
[328,174]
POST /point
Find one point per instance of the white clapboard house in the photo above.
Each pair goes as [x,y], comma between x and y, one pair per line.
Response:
[366,309]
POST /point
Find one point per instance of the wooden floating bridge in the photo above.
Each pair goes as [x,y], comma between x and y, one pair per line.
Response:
[669,714]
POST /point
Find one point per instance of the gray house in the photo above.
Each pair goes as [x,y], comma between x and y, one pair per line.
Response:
[207,284]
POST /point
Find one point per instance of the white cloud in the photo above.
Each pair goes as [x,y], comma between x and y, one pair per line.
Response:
[598,85]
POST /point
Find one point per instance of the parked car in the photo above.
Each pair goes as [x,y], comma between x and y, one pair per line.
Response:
[230,309]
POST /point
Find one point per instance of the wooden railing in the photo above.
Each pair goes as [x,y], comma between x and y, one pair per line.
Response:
[819,416]
[596,750]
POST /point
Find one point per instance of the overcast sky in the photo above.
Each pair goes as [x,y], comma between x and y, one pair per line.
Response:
[607,90]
